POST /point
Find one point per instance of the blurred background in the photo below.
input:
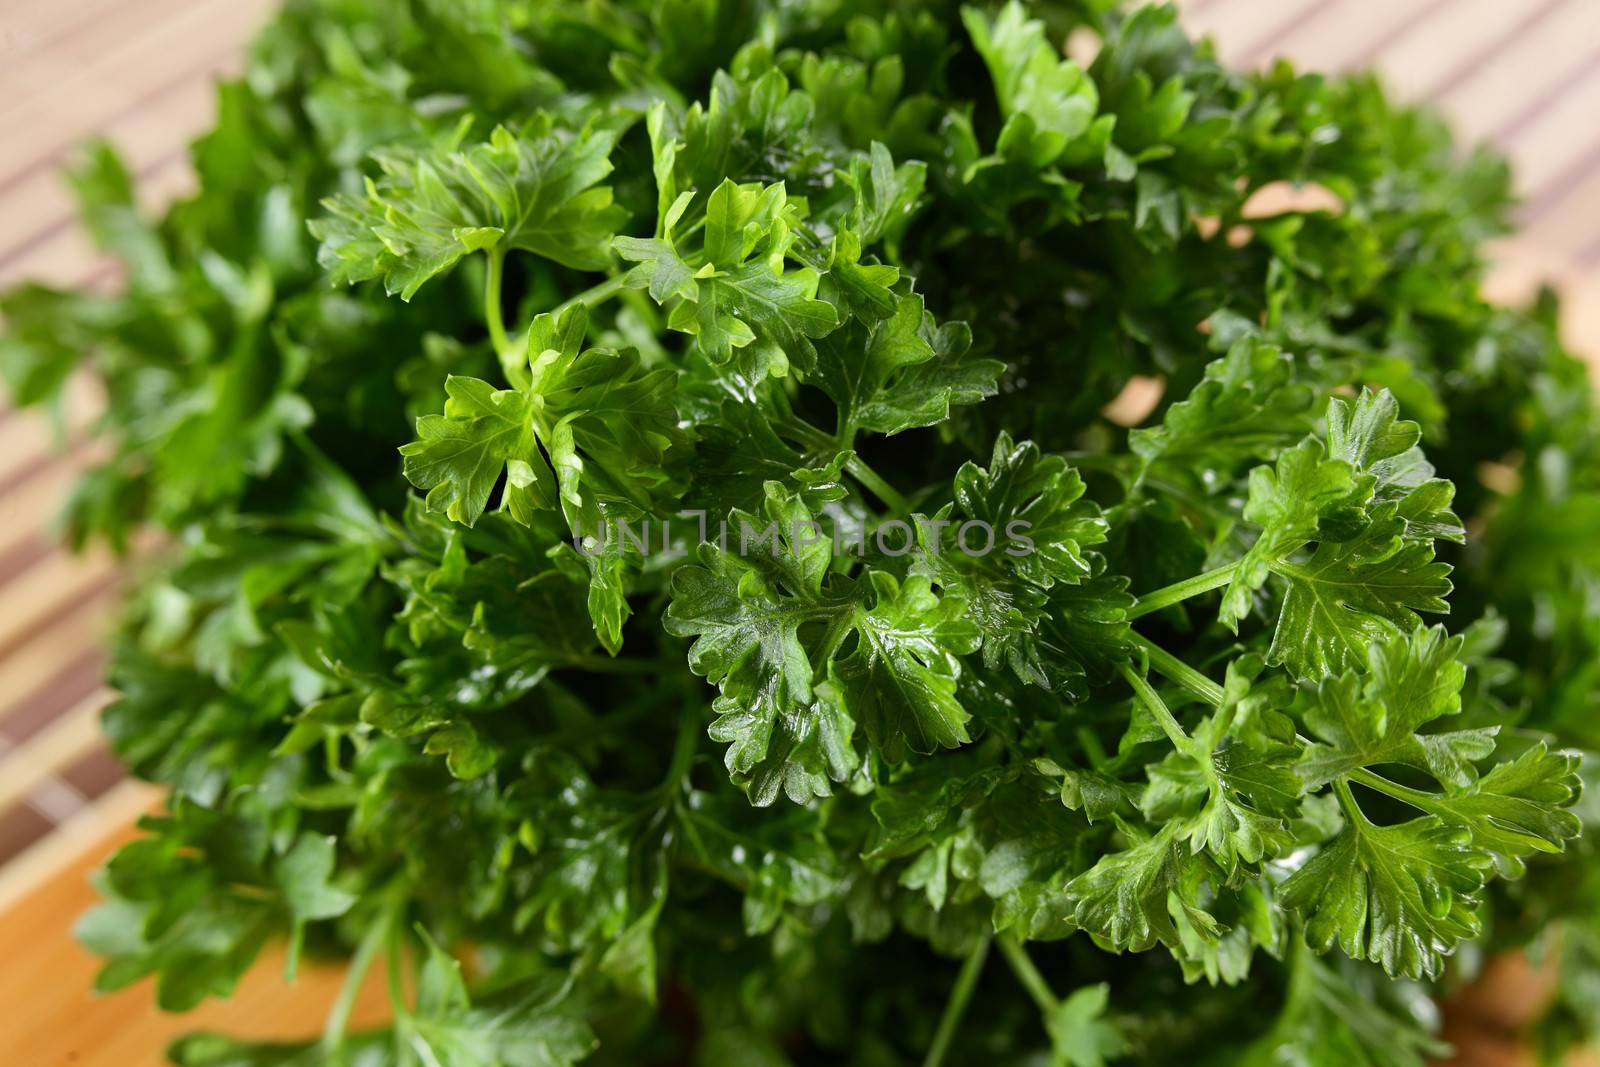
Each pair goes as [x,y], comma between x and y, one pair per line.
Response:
[1522,75]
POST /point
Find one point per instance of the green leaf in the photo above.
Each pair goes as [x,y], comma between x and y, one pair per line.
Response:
[887,197]
[464,749]
[862,290]
[923,392]
[1519,808]
[733,292]
[460,456]
[1013,533]
[1365,720]
[1047,101]
[856,363]
[915,809]
[214,1050]
[1371,437]
[533,1024]
[1247,407]
[303,876]
[1350,594]
[106,202]
[48,334]
[746,607]
[588,432]
[593,857]
[1079,1031]
[1337,1015]
[1233,794]
[1287,501]
[769,623]
[900,682]
[1097,795]
[196,898]
[1128,900]
[777,864]
[536,190]
[1400,896]
[1369,502]
[630,960]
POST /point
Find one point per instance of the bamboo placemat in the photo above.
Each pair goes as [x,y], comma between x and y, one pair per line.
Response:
[1522,74]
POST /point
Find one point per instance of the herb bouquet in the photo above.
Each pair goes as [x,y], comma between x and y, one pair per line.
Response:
[783,635]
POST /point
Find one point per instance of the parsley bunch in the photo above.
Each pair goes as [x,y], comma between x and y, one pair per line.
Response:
[776,604]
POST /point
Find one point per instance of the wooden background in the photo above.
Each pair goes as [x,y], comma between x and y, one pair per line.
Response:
[1522,74]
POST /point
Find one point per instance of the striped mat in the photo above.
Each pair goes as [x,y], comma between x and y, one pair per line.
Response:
[1522,74]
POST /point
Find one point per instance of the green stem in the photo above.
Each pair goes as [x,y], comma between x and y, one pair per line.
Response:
[1022,966]
[1170,666]
[1417,798]
[1091,747]
[397,993]
[808,436]
[355,975]
[683,748]
[1180,591]
[880,488]
[593,296]
[491,305]
[956,1006]
[1158,708]
[1347,803]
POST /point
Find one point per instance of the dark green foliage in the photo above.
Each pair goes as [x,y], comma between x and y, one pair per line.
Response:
[711,603]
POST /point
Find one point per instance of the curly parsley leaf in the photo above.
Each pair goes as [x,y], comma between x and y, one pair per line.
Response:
[1409,893]
[1373,718]
[1014,532]
[731,290]
[900,682]
[769,621]
[1369,503]
[1401,896]
[746,610]
[1048,102]
[1519,808]
[1129,899]
[1249,406]
[536,190]
[1235,790]
[532,1024]
[587,432]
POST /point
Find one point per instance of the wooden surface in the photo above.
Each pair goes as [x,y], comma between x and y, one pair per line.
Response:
[1522,74]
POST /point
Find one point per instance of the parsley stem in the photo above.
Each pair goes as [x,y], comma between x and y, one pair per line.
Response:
[1022,966]
[683,748]
[1158,708]
[1347,803]
[1417,798]
[824,446]
[806,435]
[492,314]
[956,1006]
[355,975]
[880,488]
[1180,591]
[1170,666]
[593,296]
[397,992]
